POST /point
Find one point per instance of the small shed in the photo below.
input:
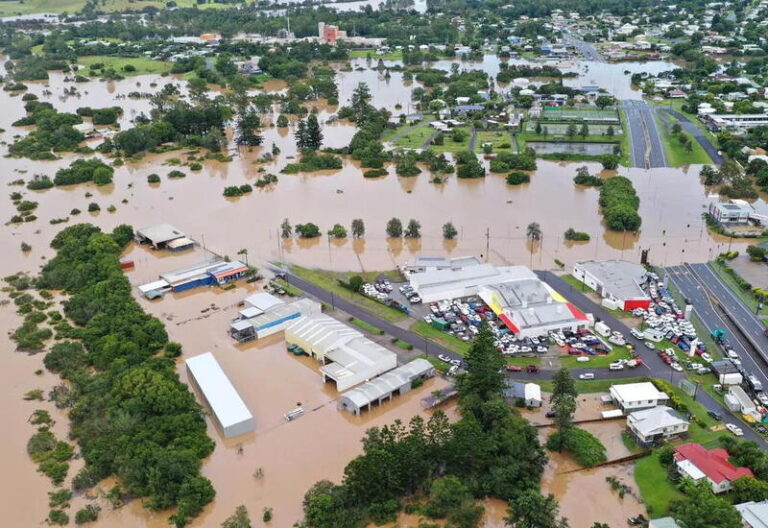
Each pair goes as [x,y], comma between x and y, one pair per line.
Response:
[155,289]
[530,393]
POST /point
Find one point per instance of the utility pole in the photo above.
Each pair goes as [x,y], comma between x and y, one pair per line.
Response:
[487,242]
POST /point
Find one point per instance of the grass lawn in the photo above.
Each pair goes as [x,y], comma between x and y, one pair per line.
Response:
[328,280]
[143,65]
[617,352]
[745,297]
[626,149]
[677,104]
[442,338]
[656,489]
[415,138]
[449,145]
[402,344]
[365,326]
[676,153]
[495,138]
[439,365]
[389,133]
[365,53]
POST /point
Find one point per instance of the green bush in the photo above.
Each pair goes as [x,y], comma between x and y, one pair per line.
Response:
[619,203]
[576,236]
[176,174]
[93,207]
[80,171]
[374,173]
[58,517]
[153,178]
[585,448]
[88,514]
[517,177]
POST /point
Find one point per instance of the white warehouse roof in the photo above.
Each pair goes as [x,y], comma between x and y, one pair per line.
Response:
[387,383]
[225,403]
[620,278]
[631,392]
[160,233]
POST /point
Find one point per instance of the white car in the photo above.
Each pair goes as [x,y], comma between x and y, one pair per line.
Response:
[444,358]
[587,376]
[637,334]
[582,359]
[676,366]
[616,366]
[735,429]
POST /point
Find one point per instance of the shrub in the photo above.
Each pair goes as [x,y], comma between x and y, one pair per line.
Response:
[195,166]
[506,161]
[80,171]
[308,230]
[375,173]
[153,178]
[39,182]
[585,448]
[172,349]
[517,177]
[176,174]
[58,517]
[88,514]
[619,203]
[93,207]
[576,236]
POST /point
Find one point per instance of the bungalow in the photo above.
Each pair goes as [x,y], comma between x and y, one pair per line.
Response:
[636,396]
[698,464]
[656,424]
[677,94]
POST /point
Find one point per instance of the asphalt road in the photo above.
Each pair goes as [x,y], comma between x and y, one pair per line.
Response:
[646,147]
[749,324]
[653,366]
[587,50]
[693,130]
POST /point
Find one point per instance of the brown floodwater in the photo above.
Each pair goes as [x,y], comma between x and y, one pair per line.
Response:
[487,213]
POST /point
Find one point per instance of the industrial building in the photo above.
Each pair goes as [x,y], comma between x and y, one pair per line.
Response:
[454,283]
[348,357]
[213,272]
[731,213]
[254,323]
[530,308]
[636,396]
[422,264]
[617,281]
[393,383]
[217,391]
[159,236]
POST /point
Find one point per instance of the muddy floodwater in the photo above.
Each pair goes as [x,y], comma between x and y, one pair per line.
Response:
[490,216]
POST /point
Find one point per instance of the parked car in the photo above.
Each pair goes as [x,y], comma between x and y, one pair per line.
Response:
[616,365]
[551,414]
[714,414]
[444,358]
[735,429]
[587,376]
[513,368]
[649,345]
[532,369]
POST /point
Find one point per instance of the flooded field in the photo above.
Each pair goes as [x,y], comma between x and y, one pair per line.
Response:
[487,213]
[591,149]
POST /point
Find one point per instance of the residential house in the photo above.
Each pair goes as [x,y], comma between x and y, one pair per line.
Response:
[754,514]
[656,424]
[637,396]
[697,463]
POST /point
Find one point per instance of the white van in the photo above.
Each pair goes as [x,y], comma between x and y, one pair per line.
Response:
[587,376]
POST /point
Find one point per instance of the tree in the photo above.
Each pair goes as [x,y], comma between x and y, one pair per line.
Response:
[225,66]
[394,228]
[338,231]
[301,136]
[604,100]
[570,131]
[286,231]
[676,128]
[413,230]
[282,121]
[360,107]
[538,128]
[533,232]
[584,130]
[563,401]
[756,253]
[610,161]
[449,231]
[533,510]
[308,230]
[314,138]
[248,125]
[748,489]
[484,379]
[358,228]
[239,519]
[610,132]
[703,509]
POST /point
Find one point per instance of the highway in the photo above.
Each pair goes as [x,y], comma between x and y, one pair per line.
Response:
[698,293]
[653,366]
[587,50]
[647,149]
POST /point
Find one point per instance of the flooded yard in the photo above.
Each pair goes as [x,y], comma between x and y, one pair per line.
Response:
[564,147]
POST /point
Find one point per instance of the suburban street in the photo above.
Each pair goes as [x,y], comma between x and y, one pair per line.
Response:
[652,367]
[586,49]
[647,150]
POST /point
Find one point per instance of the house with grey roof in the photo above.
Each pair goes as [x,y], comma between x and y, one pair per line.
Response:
[656,424]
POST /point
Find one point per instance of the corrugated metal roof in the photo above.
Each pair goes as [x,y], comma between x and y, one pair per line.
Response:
[160,233]
[219,392]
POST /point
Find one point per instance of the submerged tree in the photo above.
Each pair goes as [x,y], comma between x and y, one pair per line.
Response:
[248,125]
[413,230]
[533,510]
[449,231]
[286,231]
[563,401]
[394,228]
[358,228]
[239,519]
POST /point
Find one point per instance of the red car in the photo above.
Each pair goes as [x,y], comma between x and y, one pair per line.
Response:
[532,368]
[514,368]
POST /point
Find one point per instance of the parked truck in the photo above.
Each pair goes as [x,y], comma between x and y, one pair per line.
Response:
[602,329]
[732,378]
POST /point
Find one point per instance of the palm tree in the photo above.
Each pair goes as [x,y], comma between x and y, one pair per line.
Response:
[533,233]
[244,252]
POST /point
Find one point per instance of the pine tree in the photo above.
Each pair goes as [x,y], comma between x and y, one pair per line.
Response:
[314,135]
[301,135]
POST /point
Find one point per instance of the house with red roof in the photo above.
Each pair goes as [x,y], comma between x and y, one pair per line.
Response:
[697,463]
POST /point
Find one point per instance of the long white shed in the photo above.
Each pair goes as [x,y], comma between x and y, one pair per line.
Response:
[227,407]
